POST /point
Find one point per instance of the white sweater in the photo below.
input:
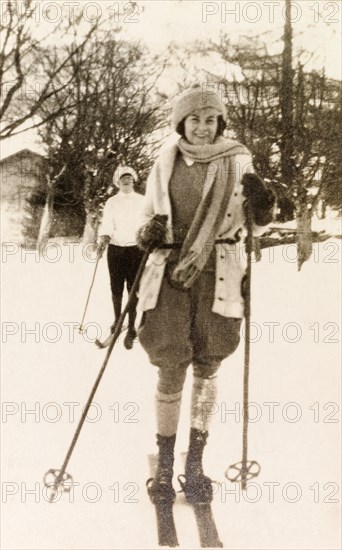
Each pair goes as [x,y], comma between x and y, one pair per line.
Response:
[120,220]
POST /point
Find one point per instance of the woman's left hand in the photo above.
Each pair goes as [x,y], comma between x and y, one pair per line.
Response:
[260,197]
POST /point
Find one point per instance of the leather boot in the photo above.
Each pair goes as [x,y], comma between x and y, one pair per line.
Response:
[130,337]
[196,486]
[160,487]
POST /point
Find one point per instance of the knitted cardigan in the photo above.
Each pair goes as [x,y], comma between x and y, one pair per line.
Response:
[230,258]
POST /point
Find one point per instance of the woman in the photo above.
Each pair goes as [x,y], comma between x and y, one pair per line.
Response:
[118,230]
[191,290]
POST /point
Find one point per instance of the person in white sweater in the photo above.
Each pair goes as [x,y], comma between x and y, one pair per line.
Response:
[118,230]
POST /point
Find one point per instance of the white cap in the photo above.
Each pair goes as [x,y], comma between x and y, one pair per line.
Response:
[121,171]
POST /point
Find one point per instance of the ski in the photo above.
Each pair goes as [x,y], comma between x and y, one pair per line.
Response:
[105,343]
[167,535]
[207,530]
[209,537]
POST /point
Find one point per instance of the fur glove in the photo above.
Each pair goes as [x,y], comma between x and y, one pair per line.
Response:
[260,197]
[153,234]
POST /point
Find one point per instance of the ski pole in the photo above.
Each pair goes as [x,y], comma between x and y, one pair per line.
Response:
[90,289]
[59,479]
[245,470]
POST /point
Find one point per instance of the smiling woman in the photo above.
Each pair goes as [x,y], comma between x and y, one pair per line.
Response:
[201,126]
[206,120]
[190,292]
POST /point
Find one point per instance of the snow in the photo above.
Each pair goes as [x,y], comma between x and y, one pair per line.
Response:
[294,433]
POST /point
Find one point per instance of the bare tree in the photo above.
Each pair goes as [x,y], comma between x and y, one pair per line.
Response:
[331,172]
[110,116]
[31,72]
[290,120]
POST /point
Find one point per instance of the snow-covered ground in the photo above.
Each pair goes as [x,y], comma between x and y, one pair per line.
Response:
[48,370]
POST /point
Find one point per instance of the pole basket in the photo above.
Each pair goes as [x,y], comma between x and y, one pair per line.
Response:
[57,482]
[241,472]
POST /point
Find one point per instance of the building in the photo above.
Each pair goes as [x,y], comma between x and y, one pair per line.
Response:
[22,176]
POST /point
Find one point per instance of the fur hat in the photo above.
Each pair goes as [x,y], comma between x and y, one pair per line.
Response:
[197,97]
[121,171]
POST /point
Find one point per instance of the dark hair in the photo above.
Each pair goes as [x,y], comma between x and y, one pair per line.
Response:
[221,126]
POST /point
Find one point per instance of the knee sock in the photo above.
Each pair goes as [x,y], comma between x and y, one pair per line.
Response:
[168,409]
[204,391]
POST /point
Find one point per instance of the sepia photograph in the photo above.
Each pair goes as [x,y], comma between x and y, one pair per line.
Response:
[171,223]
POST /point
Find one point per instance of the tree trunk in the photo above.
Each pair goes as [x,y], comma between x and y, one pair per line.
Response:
[304,235]
[46,221]
[323,210]
[286,103]
[47,217]
[90,230]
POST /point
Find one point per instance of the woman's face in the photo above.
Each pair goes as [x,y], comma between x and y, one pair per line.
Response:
[201,126]
[126,183]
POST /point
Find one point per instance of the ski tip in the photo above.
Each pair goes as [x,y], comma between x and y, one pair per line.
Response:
[153,463]
[99,344]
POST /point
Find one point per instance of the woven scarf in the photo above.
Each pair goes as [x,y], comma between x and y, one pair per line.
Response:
[218,187]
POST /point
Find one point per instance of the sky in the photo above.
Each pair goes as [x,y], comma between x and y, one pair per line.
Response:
[316,25]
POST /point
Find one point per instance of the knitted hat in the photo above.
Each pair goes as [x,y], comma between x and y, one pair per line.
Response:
[121,171]
[194,98]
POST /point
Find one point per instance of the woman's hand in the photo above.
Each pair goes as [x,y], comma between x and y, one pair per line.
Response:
[153,234]
[260,198]
[102,245]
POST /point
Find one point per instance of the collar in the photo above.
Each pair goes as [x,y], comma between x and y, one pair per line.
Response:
[125,195]
[188,161]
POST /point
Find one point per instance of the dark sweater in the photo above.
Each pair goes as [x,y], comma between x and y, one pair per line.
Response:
[186,188]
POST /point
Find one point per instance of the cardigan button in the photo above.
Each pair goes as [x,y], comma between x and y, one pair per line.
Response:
[221,279]
[229,215]
[222,257]
[221,299]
